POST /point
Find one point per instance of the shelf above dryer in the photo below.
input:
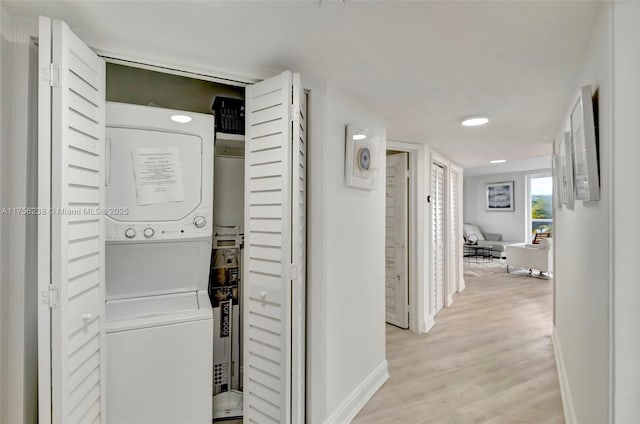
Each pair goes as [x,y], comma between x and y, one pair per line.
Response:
[230,144]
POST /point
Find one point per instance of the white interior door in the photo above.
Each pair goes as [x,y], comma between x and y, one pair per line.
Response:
[396,236]
[455,237]
[438,238]
[274,251]
[71,237]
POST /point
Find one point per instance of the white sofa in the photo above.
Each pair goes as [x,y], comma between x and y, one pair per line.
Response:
[498,246]
[532,256]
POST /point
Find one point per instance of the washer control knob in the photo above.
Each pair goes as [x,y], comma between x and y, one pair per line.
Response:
[199,221]
[148,232]
[130,233]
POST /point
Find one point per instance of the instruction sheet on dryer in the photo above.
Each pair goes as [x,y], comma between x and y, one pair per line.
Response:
[158,175]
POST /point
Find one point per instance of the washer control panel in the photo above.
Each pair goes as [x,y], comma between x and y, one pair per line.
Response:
[197,224]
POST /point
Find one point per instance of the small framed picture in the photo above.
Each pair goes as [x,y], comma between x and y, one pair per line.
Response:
[361,165]
[585,147]
[500,197]
[557,178]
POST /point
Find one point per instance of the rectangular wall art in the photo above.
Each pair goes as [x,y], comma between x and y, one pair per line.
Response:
[500,197]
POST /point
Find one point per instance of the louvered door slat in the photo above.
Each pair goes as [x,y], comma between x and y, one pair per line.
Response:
[77,231]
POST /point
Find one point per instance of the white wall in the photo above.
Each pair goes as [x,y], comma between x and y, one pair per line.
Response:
[626,54]
[582,248]
[18,286]
[512,225]
[346,337]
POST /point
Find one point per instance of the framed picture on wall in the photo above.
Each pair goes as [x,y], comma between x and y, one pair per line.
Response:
[565,151]
[585,147]
[360,167]
[500,197]
[556,172]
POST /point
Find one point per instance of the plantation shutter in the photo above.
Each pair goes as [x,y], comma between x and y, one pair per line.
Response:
[396,241]
[274,249]
[71,182]
[456,255]
[438,236]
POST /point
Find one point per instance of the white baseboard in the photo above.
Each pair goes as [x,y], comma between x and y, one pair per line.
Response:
[360,396]
[462,285]
[565,392]
[428,324]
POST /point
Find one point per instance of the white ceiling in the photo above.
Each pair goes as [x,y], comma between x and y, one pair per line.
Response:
[421,65]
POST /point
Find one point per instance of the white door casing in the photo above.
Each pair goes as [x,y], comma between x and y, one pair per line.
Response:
[438,237]
[71,245]
[396,241]
[274,251]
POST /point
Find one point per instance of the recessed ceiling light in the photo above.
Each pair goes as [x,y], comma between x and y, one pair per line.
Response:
[181,119]
[498,161]
[359,136]
[474,121]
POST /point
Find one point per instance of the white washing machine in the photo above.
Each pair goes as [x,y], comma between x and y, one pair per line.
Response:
[159,198]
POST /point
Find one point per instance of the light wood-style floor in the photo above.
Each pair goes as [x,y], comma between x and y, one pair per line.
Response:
[488,359]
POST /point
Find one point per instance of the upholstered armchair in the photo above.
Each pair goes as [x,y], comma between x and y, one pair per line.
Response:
[532,256]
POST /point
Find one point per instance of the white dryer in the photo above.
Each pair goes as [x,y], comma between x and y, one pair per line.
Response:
[159,198]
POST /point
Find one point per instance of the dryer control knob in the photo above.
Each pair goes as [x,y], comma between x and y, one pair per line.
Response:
[148,232]
[130,233]
[199,221]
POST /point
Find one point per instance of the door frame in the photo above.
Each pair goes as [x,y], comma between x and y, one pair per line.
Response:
[416,306]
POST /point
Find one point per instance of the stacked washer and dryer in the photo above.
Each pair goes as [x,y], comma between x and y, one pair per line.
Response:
[159,196]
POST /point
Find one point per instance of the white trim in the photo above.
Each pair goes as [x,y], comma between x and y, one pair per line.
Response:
[428,324]
[565,392]
[17,362]
[168,68]
[360,396]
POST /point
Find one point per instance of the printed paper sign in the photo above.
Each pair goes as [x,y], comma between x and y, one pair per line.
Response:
[158,175]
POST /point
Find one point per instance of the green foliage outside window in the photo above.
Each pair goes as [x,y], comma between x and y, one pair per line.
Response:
[541,207]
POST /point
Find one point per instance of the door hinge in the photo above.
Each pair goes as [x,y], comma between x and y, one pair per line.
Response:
[294,113]
[293,272]
[408,173]
[51,74]
[50,296]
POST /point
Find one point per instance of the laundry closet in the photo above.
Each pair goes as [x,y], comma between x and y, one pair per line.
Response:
[173,278]
[185,99]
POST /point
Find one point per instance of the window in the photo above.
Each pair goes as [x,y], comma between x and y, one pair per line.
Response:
[541,204]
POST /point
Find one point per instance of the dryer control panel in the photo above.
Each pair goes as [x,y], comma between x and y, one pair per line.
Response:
[197,225]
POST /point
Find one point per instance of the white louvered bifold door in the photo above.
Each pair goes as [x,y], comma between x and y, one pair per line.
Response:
[75,107]
[396,238]
[438,237]
[274,250]
[455,256]
[298,250]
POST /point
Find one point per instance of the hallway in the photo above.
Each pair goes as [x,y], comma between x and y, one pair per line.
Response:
[488,359]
